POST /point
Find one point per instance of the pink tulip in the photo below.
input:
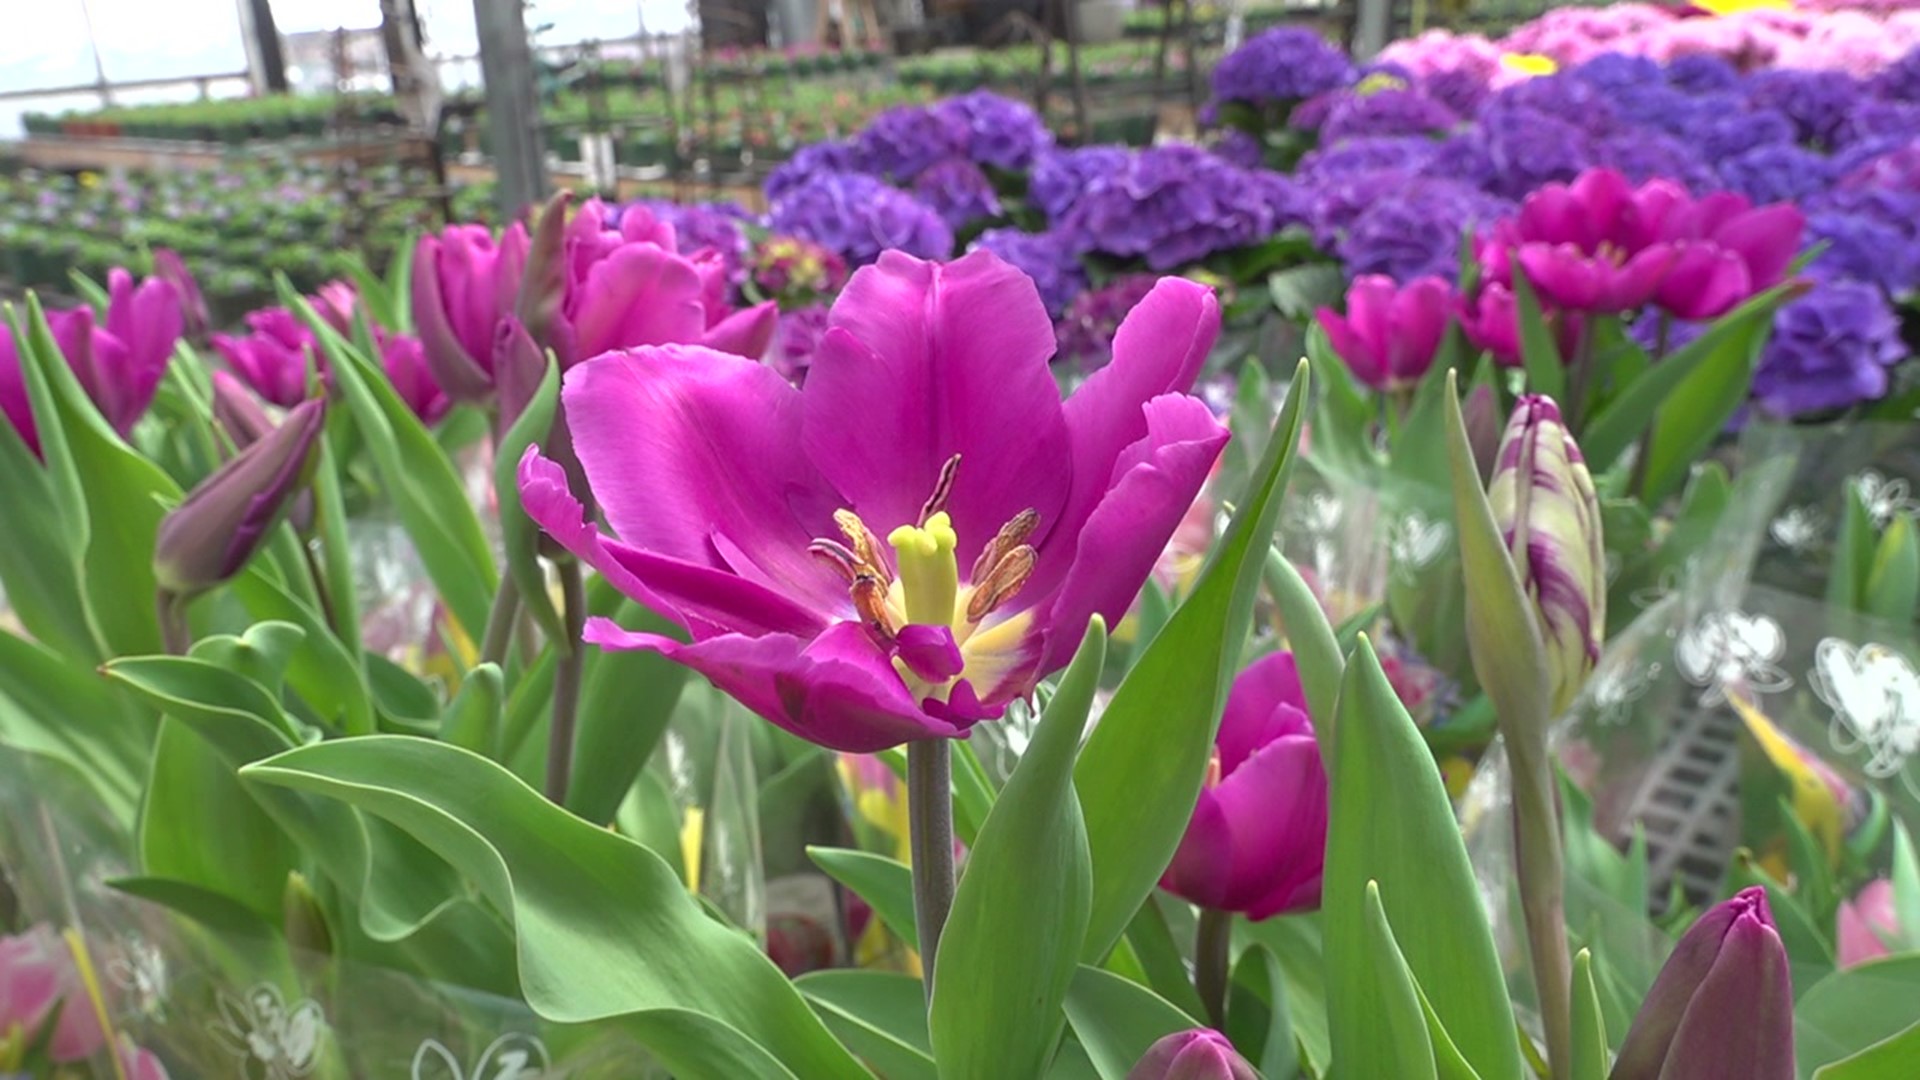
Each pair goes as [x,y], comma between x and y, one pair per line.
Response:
[463,284]
[1726,251]
[276,360]
[37,973]
[1595,245]
[1257,840]
[1390,333]
[1865,922]
[119,363]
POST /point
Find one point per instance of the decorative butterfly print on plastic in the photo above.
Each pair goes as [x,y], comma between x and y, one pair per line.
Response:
[1875,696]
[270,1040]
[513,1056]
[1732,648]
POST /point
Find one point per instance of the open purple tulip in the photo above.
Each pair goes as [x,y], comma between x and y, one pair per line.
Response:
[463,285]
[118,364]
[1727,250]
[816,542]
[170,268]
[1595,245]
[405,361]
[277,359]
[1390,332]
[1722,1006]
[1257,841]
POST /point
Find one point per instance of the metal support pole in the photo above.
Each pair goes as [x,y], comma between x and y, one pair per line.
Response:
[1371,23]
[513,108]
[266,46]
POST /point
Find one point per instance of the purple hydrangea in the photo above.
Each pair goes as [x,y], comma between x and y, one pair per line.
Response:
[1775,172]
[1385,113]
[1619,72]
[1059,176]
[1524,150]
[1646,155]
[714,225]
[1872,119]
[1723,126]
[1460,90]
[857,217]
[1281,66]
[1402,153]
[1657,106]
[1045,257]
[1830,349]
[904,141]
[1700,73]
[1815,102]
[1900,80]
[1563,97]
[1865,248]
[1240,148]
[959,192]
[1000,132]
[1085,333]
[1173,205]
[1859,163]
[1413,229]
[1645,332]
[832,156]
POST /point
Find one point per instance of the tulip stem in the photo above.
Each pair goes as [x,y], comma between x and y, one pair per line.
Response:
[1212,957]
[175,636]
[1538,860]
[566,682]
[930,831]
[500,620]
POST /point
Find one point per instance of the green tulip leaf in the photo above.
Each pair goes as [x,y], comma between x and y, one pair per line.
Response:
[1539,354]
[1396,1043]
[1854,1009]
[193,798]
[1589,1026]
[1893,582]
[1315,648]
[1258,1019]
[886,885]
[1853,554]
[1157,733]
[518,533]
[321,671]
[626,701]
[879,1015]
[1009,948]
[58,707]
[604,927]
[1891,1058]
[1117,1019]
[472,719]
[1390,822]
[1696,411]
[416,473]
[1906,885]
[1161,963]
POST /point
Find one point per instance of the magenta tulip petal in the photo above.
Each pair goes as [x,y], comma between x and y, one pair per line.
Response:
[930,651]
[707,601]
[696,455]
[1767,239]
[746,332]
[1202,866]
[1705,282]
[1862,921]
[838,690]
[1352,348]
[1633,284]
[1250,720]
[1277,802]
[452,367]
[1150,488]
[14,402]
[638,295]
[925,361]
[1158,350]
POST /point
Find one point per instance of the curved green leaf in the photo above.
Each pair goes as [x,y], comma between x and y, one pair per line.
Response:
[886,885]
[1853,1009]
[1008,950]
[521,537]
[1117,1019]
[1157,733]
[1589,1026]
[1891,1058]
[879,1015]
[1390,821]
[626,701]
[1396,1043]
[1310,636]
[604,926]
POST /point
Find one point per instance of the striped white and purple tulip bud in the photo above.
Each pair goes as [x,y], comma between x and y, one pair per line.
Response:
[1543,501]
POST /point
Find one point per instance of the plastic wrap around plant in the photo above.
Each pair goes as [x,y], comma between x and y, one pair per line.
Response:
[1750,727]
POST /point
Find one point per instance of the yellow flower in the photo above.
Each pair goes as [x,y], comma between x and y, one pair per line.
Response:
[1378,81]
[89,179]
[1731,7]
[1529,63]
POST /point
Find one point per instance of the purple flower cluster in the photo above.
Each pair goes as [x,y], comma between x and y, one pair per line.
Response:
[714,226]
[857,216]
[1045,257]
[1830,349]
[958,191]
[1174,205]
[981,127]
[1085,332]
[1280,67]
[1059,176]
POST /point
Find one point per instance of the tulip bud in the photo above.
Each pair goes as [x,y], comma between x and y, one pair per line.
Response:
[302,920]
[1390,332]
[1722,1008]
[1544,503]
[1480,410]
[238,412]
[211,535]
[1199,1054]
[168,267]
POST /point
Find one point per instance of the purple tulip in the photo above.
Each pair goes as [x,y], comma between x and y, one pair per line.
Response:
[1548,511]
[277,359]
[1865,924]
[464,283]
[1726,251]
[1390,333]
[118,364]
[336,302]
[1492,322]
[753,513]
[1257,841]
[168,267]
[1594,245]
[209,537]
[1199,1054]
[238,412]
[628,287]
[1722,1007]
[405,362]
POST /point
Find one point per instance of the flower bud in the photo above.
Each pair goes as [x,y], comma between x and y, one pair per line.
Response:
[210,536]
[1544,503]
[1722,1007]
[1390,332]
[1198,1054]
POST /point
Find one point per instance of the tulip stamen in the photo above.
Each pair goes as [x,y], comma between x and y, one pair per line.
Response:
[839,556]
[1011,535]
[870,600]
[942,490]
[1006,578]
[865,545]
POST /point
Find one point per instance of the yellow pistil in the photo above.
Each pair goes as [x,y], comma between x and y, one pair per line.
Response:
[929,575]
[1529,63]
